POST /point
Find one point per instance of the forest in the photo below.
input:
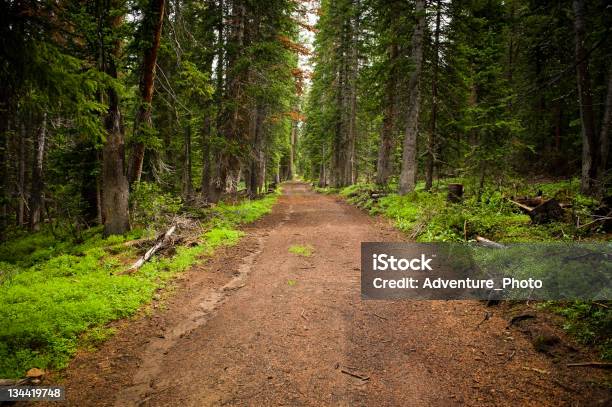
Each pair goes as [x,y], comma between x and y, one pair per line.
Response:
[201,99]
[458,120]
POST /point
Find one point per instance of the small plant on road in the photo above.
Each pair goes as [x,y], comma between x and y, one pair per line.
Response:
[300,250]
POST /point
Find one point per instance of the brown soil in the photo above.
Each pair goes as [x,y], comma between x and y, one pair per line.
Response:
[257,325]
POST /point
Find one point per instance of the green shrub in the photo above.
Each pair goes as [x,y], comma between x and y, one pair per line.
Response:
[150,206]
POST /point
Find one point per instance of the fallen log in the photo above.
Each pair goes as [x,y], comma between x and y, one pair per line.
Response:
[547,211]
[532,202]
[489,243]
[161,241]
[522,206]
[544,212]
[15,382]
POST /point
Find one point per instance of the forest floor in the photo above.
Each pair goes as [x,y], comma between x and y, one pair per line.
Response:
[278,320]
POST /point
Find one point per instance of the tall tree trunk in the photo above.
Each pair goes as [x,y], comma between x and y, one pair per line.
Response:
[21,175]
[558,122]
[151,34]
[213,188]
[352,67]
[36,196]
[5,99]
[409,161]
[187,183]
[387,140]
[431,136]
[257,152]
[205,133]
[228,163]
[345,129]
[604,136]
[590,150]
[322,173]
[115,187]
[292,150]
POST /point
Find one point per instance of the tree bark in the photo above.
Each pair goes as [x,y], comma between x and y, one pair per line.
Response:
[409,162]
[151,33]
[5,99]
[345,128]
[228,161]
[292,150]
[212,183]
[387,142]
[431,137]
[36,196]
[21,175]
[187,182]
[604,136]
[353,66]
[590,149]
[205,133]
[257,153]
[115,187]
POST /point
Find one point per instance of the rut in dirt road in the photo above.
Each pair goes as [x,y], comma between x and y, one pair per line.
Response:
[293,330]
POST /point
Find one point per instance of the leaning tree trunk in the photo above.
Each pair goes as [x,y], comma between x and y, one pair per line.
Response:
[409,161]
[585,96]
[36,196]
[151,33]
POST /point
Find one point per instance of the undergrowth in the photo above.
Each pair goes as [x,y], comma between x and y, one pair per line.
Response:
[57,295]
[428,217]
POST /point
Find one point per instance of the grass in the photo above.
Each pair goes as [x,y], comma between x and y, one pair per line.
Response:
[57,295]
[305,251]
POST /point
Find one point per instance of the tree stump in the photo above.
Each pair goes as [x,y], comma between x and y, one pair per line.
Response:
[546,212]
[455,192]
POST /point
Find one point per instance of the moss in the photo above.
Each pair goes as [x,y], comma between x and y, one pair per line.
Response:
[57,295]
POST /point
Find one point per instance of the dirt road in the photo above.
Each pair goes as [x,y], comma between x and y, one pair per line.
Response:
[258,325]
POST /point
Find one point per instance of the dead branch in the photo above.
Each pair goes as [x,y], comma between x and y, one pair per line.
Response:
[599,219]
[525,208]
[599,365]
[543,212]
[161,241]
[489,243]
[357,375]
